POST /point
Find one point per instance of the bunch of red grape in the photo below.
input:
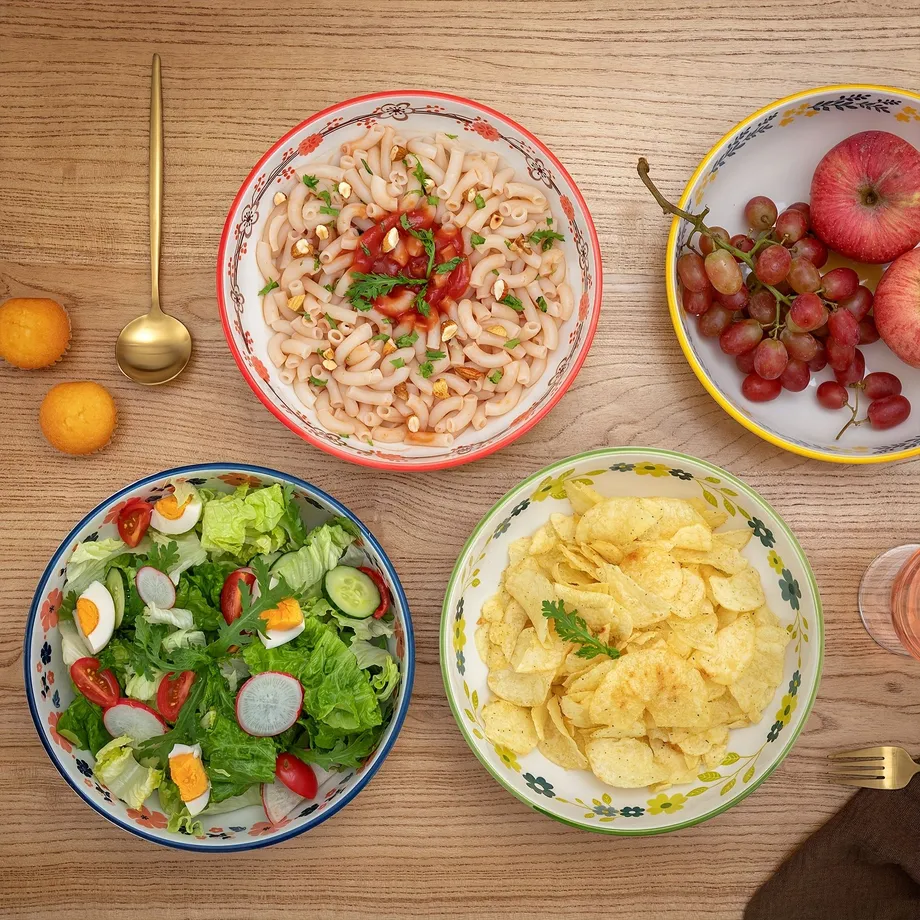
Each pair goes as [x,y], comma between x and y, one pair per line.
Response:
[763,296]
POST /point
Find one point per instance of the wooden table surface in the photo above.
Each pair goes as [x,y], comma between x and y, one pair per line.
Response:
[600,82]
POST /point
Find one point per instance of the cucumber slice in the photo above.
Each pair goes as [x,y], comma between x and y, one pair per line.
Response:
[352,591]
[116,585]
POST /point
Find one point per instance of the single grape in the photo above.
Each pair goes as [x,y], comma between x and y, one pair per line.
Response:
[745,362]
[819,361]
[760,213]
[839,283]
[715,321]
[770,359]
[854,372]
[791,226]
[859,303]
[844,327]
[723,272]
[832,395]
[762,307]
[822,332]
[741,337]
[880,384]
[706,244]
[867,331]
[742,242]
[803,277]
[839,356]
[696,302]
[811,248]
[800,345]
[808,312]
[888,411]
[733,301]
[692,272]
[757,389]
[796,376]
[802,206]
[772,265]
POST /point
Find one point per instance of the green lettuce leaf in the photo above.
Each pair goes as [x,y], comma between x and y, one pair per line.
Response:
[81,723]
[233,758]
[348,751]
[117,768]
[369,655]
[177,617]
[304,568]
[199,591]
[88,562]
[292,520]
[386,682]
[179,820]
[188,547]
[183,638]
[244,523]
[142,687]
[73,648]
[249,795]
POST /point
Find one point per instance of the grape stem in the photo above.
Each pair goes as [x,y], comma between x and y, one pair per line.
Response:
[853,409]
[697,222]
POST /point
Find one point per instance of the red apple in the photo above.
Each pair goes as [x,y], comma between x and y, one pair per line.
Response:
[897,307]
[865,197]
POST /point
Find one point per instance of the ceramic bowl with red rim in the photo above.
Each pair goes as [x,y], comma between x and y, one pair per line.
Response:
[412,113]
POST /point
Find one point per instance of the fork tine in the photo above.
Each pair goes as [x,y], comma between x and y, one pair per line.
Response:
[875,753]
[871,769]
[864,783]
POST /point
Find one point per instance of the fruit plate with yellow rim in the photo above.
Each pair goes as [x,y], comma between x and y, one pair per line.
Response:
[774,152]
[577,797]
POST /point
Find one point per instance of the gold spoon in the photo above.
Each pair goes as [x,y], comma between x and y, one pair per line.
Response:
[154,348]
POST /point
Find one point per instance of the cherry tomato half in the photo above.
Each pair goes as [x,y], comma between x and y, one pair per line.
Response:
[231,600]
[173,692]
[377,579]
[99,687]
[296,775]
[133,521]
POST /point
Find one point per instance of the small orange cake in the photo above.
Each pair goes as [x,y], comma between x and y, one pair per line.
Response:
[79,417]
[34,331]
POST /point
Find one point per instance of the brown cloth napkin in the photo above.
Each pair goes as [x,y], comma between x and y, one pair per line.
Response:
[864,864]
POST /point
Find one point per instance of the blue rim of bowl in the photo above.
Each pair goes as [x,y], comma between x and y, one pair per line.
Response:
[379,755]
[444,632]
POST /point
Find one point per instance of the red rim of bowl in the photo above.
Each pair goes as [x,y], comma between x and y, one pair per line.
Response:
[357,456]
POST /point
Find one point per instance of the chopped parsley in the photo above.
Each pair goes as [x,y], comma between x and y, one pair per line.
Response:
[421,304]
[397,362]
[509,300]
[272,284]
[325,196]
[541,303]
[433,200]
[317,383]
[369,170]
[512,343]
[365,250]
[311,182]
[545,238]
[480,202]
[408,340]
[332,212]
[434,355]
[477,240]
[453,137]
[332,323]
[329,287]
[445,267]
[496,375]
[420,174]
[366,288]
[380,337]
[426,369]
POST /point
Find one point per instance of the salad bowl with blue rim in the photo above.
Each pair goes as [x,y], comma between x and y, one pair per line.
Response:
[578,797]
[50,690]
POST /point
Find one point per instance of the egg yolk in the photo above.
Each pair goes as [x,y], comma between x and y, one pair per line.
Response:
[170,508]
[87,614]
[188,774]
[286,615]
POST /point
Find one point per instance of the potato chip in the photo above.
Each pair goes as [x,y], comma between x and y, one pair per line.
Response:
[510,726]
[576,707]
[726,617]
[482,641]
[726,711]
[680,698]
[493,610]
[518,550]
[614,520]
[742,592]
[692,593]
[496,660]
[699,743]
[673,765]
[723,557]
[543,540]
[607,551]
[505,634]
[671,515]
[522,689]
[565,574]
[699,631]
[591,677]
[712,516]
[636,730]
[736,538]
[627,763]
[539,716]
[564,525]
[597,610]
[693,536]
[734,648]
[530,587]
[652,566]
[559,746]
[529,653]
[581,496]
[645,607]
[577,559]
[764,616]
[588,551]
[757,684]
[678,645]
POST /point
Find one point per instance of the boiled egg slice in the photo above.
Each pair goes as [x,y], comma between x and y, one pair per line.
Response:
[94,616]
[282,623]
[187,771]
[173,517]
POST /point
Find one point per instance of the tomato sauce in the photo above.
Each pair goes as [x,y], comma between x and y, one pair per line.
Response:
[410,259]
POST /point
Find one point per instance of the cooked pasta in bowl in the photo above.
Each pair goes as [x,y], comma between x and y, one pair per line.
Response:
[409,280]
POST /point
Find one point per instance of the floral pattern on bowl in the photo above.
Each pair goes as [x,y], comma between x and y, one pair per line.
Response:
[49,690]
[753,159]
[577,797]
[238,279]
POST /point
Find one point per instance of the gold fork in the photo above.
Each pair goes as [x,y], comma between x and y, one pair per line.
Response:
[885,767]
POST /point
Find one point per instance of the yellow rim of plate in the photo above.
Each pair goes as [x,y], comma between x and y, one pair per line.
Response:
[674,307]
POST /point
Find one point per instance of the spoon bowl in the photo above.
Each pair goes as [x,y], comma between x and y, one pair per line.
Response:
[153,348]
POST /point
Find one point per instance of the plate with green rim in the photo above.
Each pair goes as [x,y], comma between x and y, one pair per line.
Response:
[577,797]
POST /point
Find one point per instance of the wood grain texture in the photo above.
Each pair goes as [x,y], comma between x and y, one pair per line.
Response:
[601,82]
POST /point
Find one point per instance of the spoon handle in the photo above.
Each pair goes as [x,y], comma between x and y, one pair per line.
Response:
[156,180]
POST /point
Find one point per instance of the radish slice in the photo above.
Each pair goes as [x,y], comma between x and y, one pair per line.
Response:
[279,801]
[269,703]
[134,719]
[155,587]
